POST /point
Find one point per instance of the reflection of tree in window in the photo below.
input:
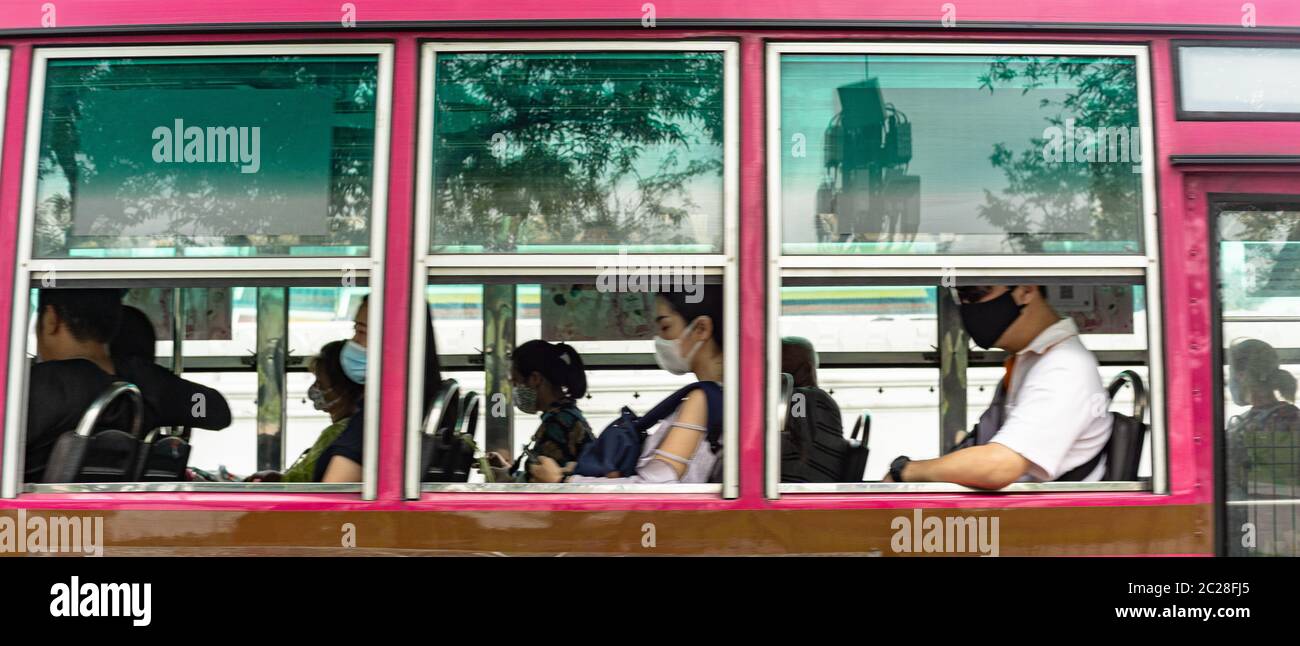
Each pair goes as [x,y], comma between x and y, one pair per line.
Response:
[563,148]
[193,204]
[1047,201]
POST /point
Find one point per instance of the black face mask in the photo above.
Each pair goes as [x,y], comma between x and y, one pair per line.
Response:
[985,322]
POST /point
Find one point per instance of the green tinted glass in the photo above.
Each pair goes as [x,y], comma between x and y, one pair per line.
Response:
[885,154]
[231,156]
[558,152]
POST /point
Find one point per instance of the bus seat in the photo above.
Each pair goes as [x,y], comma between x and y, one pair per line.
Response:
[163,458]
[855,462]
[1124,449]
[109,455]
[441,450]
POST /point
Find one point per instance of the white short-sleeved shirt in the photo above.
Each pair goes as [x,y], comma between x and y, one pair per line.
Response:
[1056,412]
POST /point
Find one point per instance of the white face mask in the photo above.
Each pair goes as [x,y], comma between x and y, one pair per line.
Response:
[670,358]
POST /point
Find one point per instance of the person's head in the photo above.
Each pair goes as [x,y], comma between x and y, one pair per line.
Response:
[333,392]
[543,373]
[74,322]
[689,335]
[135,337]
[352,358]
[799,359]
[1005,316]
[1256,376]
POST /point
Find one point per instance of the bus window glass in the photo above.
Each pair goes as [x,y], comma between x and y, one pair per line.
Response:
[262,390]
[1259,297]
[206,156]
[1042,157]
[576,356]
[1244,82]
[856,354]
[574,152]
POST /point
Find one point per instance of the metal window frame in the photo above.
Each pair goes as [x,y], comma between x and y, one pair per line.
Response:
[370,266]
[1176,48]
[877,267]
[485,265]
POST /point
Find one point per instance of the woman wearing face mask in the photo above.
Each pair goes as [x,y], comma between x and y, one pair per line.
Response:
[341,460]
[1263,443]
[332,393]
[689,340]
[547,379]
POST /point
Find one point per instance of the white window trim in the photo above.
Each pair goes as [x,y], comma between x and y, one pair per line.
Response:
[471,265]
[1146,264]
[371,266]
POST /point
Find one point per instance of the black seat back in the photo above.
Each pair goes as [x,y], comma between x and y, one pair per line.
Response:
[813,446]
[442,453]
[1128,432]
[162,458]
[109,455]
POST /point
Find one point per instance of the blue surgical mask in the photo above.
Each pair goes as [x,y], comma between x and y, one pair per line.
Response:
[352,359]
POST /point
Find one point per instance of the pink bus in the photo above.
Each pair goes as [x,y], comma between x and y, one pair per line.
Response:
[260,179]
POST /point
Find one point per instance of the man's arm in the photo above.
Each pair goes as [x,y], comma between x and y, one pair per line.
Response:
[990,466]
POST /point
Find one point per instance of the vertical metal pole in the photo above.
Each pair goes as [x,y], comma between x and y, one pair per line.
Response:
[178,330]
[953,345]
[272,355]
[498,344]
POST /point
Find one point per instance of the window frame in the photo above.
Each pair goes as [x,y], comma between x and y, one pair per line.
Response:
[288,269]
[1176,67]
[1145,265]
[472,268]
[1216,203]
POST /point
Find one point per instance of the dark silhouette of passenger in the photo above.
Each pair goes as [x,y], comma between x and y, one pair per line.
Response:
[74,328]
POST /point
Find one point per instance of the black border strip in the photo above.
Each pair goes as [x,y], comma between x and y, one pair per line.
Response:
[1180,114]
[1215,203]
[1234,159]
[669,23]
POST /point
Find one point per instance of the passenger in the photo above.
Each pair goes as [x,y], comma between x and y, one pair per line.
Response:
[135,337]
[74,365]
[547,380]
[1049,418]
[1263,443]
[799,360]
[332,393]
[689,340]
[341,460]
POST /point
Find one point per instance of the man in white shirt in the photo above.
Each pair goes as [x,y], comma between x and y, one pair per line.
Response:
[1054,423]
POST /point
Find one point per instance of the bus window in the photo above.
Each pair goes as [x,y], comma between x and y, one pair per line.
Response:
[1244,82]
[163,156]
[577,151]
[880,163]
[564,180]
[895,218]
[256,390]
[1258,246]
[574,357]
[232,196]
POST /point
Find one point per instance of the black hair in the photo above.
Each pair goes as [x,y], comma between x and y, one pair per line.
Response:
[558,363]
[327,362]
[709,303]
[1261,368]
[90,314]
[135,337]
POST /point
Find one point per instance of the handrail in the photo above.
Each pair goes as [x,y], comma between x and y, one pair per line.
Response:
[450,388]
[787,391]
[1140,400]
[88,420]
